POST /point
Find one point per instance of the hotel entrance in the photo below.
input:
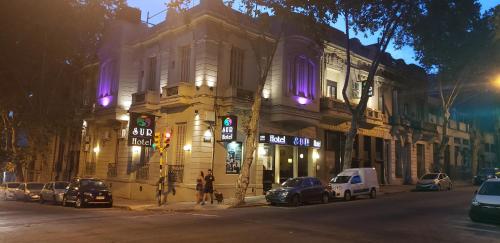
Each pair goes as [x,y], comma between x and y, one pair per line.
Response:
[284,157]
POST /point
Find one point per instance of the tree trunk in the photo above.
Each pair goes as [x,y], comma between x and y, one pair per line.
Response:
[475,145]
[442,146]
[349,143]
[250,144]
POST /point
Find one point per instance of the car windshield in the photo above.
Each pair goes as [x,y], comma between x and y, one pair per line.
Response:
[292,182]
[430,176]
[35,186]
[490,189]
[13,185]
[61,185]
[340,179]
[93,183]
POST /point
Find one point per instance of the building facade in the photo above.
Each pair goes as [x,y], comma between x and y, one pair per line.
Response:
[196,73]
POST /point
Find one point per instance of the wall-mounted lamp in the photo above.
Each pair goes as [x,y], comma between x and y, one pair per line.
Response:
[315,155]
[207,136]
[187,147]
[97,149]
[290,160]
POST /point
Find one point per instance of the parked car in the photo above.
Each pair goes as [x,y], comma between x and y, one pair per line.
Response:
[434,182]
[485,174]
[29,191]
[53,192]
[86,191]
[295,191]
[8,190]
[355,182]
[485,205]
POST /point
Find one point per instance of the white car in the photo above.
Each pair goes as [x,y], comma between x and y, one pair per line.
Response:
[355,182]
[8,190]
[485,205]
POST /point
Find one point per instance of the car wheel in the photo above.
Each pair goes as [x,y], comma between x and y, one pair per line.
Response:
[79,203]
[41,200]
[325,198]
[373,193]
[295,201]
[347,196]
[450,187]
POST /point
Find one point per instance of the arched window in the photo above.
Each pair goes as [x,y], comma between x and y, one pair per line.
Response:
[302,77]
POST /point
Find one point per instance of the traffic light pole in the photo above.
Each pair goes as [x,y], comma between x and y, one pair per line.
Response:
[161,184]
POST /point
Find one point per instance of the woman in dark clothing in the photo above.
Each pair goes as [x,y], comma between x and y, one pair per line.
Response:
[199,188]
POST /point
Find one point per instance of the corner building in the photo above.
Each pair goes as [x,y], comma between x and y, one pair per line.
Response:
[197,68]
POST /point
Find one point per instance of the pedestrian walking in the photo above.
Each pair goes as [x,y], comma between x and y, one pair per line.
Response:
[199,187]
[209,187]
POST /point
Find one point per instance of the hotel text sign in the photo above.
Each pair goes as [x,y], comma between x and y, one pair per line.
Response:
[289,140]
[229,128]
[141,130]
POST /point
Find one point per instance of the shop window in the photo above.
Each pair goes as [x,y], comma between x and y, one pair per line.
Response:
[236,68]
[185,57]
[286,162]
[331,89]
[233,157]
[303,161]
[302,77]
[180,142]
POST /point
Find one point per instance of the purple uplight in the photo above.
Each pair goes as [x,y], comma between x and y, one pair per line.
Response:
[302,100]
[104,101]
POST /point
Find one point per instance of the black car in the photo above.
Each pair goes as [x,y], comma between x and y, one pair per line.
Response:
[87,191]
[295,191]
[485,174]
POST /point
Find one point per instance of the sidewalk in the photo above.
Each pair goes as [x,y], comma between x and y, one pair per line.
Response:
[136,205]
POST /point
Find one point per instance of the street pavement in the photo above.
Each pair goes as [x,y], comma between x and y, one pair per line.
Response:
[402,217]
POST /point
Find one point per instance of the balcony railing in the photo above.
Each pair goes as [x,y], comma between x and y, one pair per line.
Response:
[176,173]
[151,97]
[112,170]
[142,172]
[180,94]
[90,168]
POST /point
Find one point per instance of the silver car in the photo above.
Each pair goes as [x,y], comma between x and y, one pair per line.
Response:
[29,191]
[8,190]
[435,182]
[53,192]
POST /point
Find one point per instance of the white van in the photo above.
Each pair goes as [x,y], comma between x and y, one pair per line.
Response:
[355,182]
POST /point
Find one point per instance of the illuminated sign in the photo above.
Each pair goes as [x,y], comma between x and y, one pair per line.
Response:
[141,130]
[229,128]
[289,140]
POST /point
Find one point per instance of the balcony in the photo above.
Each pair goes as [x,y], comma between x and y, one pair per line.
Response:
[334,111]
[149,100]
[142,172]
[373,118]
[178,95]
[176,173]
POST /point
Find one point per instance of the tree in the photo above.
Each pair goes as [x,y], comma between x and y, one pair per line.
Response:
[456,43]
[45,46]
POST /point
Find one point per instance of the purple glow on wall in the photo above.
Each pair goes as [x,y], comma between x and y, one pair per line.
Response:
[105,101]
[302,78]
[106,87]
[302,100]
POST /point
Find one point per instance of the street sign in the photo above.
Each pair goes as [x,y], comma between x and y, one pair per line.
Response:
[141,130]
[229,128]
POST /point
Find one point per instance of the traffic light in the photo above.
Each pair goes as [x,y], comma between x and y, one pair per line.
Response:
[167,138]
[157,142]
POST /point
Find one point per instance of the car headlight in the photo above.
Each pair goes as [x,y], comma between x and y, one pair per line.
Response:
[284,193]
[475,202]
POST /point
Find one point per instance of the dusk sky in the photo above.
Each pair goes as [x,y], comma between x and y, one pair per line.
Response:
[406,53]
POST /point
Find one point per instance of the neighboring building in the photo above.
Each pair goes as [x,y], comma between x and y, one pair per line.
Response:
[193,72]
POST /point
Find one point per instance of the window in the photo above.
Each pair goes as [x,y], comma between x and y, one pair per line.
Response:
[466,142]
[236,69]
[331,89]
[151,85]
[356,180]
[456,140]
[185,63]
[181,139]
[356,90]
[302,77]
[146,154]
[381,101]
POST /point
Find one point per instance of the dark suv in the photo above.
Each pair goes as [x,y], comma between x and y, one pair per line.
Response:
[295,191]
[86,191]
